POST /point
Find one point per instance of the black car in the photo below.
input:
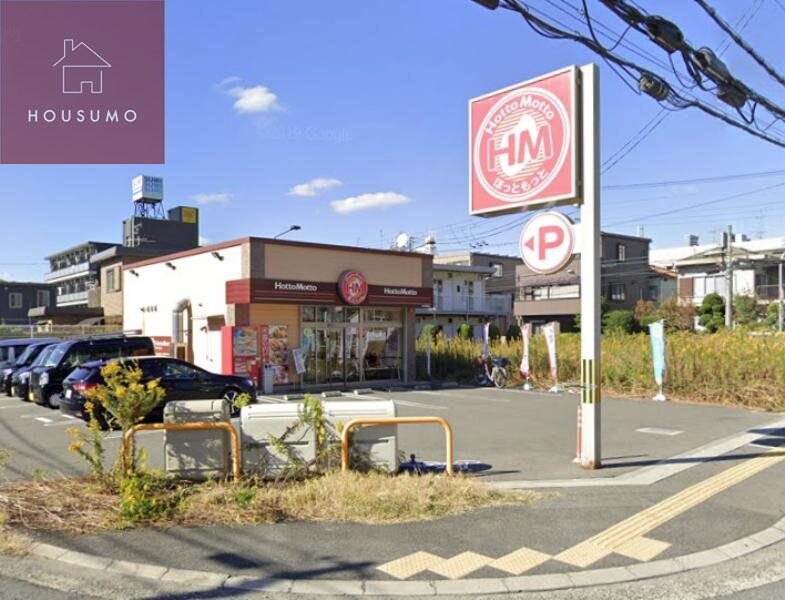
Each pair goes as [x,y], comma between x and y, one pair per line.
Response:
[26,359]
[21,377]
[181,381]
[10,350]
[46,380]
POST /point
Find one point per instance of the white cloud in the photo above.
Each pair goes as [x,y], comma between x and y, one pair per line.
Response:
[253,99]
[203,241]
[215,198]
[369,201]
[311,188]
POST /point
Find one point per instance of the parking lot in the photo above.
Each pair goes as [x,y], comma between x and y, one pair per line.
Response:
[518,435]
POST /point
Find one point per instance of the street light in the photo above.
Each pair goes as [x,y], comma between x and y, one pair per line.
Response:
[291,228]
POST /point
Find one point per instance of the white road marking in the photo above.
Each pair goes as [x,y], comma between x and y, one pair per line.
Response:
[60,423]
[43,419]
[659,431]
[13,406]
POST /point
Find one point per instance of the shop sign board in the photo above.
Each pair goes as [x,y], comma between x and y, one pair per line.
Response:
[353,287]
[547,242]
[523,145]
[162,345]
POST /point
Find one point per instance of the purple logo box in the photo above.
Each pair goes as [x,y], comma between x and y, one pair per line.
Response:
[81,81]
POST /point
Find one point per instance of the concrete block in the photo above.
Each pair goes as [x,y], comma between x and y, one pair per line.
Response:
[205,578]
[261,584]
[146,571]
[772,535]
[399,588]
[740,547]
[699,560]
[600,576]
[362,391]
[327,586]
[293,397]
[526,583]
[655,569]
[81,559]
[332,394]
[47,551]
[470,586]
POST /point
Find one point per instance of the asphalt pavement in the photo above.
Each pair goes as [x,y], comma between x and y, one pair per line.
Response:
[678,480]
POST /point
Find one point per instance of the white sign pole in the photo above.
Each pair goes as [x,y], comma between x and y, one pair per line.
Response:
[590,431]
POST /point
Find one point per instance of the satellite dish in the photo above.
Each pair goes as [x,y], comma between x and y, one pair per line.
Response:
[402,241]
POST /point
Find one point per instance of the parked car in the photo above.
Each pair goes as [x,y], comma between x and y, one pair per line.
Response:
[181,381]
[26,359]
[46,380]
[10,350]
[21,377]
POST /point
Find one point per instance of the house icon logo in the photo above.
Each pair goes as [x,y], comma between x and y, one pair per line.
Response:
[82,67]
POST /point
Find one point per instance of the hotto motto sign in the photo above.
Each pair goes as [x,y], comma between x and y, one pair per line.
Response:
[353,287]
[522,145]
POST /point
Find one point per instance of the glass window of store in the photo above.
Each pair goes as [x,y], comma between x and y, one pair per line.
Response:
[348,345]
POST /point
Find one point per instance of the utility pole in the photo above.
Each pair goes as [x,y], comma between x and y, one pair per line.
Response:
[780,295]
[729,278]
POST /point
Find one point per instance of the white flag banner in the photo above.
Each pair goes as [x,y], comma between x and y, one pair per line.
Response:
[485,333]
[526,331]
[549,331]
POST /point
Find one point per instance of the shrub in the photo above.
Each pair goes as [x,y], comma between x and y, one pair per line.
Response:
[677,317]
[493,332]
[429,329]
[712,312]
[772,314]
[513,332]
[746,310]
[618,321]
[465,331]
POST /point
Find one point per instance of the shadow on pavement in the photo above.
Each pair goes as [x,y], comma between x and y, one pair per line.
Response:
[687,459]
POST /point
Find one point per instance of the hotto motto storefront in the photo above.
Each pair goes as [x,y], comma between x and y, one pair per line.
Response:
[317,314]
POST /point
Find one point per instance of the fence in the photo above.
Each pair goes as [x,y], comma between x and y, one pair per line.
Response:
[58,331]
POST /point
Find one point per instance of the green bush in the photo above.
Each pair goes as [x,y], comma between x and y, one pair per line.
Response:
[618,321]
[493,332]
[429,329]
[746,310]
[465,331]
[712,312]
[513,332]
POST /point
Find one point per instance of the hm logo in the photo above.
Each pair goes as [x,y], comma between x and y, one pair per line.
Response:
[524,143]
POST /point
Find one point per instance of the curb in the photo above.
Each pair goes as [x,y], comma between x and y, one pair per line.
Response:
[524,583]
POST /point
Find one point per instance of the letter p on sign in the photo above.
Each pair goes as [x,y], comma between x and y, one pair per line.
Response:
[547,242]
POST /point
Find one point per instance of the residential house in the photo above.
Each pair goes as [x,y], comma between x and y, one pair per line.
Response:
[702,268]
[18,297]
[460,295]
[625,278]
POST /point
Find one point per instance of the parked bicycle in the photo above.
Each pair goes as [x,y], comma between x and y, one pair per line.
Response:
[492,371]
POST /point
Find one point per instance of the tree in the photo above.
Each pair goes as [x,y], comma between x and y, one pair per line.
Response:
[513,332]
[746,310]
[619,321]
[429,329]
[712,312]
[645,313]
[677,317]
[493,332]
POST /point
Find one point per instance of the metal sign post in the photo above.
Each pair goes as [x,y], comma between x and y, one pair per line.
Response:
[590,430]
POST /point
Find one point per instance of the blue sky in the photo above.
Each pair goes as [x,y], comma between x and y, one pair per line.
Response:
[263,96]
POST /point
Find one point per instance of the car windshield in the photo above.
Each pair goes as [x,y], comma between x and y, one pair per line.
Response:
[29,352]
[4,353]
[57,354]
[44,356]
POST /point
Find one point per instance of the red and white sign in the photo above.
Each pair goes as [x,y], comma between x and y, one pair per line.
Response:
[547,242]
[353,287]
[522,145]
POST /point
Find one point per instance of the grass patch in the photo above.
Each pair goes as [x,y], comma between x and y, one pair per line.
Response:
[80,506]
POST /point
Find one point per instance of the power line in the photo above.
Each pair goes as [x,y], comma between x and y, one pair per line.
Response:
[725,26]
[699,204]
[716,178]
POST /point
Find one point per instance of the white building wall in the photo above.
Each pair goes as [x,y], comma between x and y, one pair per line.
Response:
[201,278]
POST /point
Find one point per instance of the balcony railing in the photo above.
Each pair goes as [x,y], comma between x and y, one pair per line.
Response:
[486,304]
[67,272]
[72,298]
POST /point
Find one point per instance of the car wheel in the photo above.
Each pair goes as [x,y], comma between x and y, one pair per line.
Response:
[230,395]
[53,400]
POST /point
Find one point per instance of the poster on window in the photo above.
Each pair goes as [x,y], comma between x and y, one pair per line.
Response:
[264,343]
[299,360]
[245,347]
[279,353]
